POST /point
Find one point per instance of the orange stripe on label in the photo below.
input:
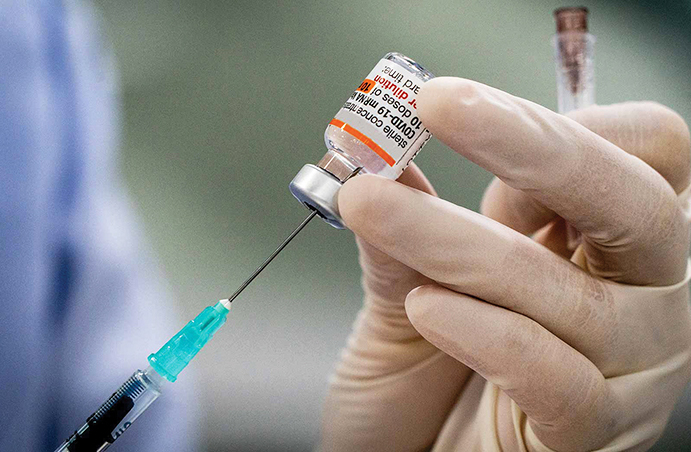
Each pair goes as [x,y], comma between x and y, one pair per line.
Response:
[365,140]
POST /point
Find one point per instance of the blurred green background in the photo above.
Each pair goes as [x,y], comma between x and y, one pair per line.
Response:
[224,101]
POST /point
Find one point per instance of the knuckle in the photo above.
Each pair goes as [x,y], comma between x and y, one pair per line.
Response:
[652,132]
[666,222]
[672,156]
[661,241]
[664,143]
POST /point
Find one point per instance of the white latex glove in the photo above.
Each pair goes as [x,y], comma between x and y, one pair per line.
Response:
[473,336]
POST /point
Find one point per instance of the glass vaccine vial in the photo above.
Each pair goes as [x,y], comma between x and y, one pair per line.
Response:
[376,131]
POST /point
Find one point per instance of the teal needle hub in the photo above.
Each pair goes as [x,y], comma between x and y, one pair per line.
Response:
[177,353]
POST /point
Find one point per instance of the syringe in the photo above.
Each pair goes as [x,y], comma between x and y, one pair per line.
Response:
[135,395]
[574,56]
[130,400]
[354,146]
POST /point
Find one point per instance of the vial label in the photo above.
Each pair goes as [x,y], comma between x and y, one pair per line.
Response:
[382,114]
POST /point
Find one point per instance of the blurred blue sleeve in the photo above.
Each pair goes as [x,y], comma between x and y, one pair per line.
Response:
[81,302]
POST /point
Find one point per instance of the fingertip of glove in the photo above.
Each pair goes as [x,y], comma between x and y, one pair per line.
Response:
[359,198]
[444,95]
[421,308]
[413,177]
[677,168]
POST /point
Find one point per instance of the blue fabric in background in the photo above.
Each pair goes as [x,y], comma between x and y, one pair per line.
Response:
[82,303]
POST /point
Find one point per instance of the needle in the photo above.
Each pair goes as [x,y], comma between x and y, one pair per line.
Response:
[271,257]
[283,245]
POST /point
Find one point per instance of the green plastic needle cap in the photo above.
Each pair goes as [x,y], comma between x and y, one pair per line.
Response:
[181,348]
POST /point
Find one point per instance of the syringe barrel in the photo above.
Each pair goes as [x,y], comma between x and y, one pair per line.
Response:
[118,412]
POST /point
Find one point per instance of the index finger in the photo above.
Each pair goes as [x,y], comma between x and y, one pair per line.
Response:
[634,231]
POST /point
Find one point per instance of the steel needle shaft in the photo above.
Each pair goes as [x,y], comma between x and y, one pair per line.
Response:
[274,254]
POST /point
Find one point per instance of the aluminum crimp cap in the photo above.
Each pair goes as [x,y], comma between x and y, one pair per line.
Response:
[318,189]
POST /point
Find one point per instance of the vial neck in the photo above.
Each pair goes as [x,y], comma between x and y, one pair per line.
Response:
[337,165]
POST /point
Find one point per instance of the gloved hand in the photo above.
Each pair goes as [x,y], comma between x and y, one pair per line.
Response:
[473,336]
